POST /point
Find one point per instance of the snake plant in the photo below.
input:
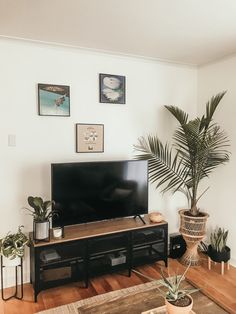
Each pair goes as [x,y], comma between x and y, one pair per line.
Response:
[13,244]
[199,147]
[218,239]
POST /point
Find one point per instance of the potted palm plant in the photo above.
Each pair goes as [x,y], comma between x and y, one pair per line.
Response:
[218,251]
[12,247]
[41,212]
[199,147]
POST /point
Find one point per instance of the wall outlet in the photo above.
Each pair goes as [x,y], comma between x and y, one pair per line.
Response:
[11,140]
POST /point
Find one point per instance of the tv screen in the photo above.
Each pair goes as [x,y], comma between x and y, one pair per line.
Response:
[91,191]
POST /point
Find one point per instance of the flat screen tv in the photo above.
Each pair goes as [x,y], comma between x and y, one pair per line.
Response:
[91,191]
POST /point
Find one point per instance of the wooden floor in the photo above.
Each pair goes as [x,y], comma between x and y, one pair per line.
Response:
[221,288]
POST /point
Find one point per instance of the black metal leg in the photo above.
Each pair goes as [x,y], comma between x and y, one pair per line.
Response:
[130,254]
[166,262]
[129,272]
[86,274]
[15,295]
[35,296]
[2,279]
[16,276]
[86,266]
[21,276]
[140,219]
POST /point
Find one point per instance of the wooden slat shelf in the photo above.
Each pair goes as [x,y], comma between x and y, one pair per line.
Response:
[100,228]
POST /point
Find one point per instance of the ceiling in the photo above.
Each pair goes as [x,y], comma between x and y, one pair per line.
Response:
[184,31]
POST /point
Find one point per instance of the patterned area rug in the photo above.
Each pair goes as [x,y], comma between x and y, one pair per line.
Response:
[133,300]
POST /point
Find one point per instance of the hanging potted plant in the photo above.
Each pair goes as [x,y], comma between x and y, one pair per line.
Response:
[41,212]
[12,247]
[199,148]
[218,251]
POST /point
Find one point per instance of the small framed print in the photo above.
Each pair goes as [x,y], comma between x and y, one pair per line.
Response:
[111,89]
[89,138]
[53,100]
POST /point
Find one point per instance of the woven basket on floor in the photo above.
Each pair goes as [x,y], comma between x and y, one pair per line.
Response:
[193,230]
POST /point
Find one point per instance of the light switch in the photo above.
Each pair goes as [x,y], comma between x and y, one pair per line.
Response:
[11,140]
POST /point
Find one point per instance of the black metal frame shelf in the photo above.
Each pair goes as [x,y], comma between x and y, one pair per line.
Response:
[89,256]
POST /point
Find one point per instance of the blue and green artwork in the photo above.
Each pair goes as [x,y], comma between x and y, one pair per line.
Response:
[54,100]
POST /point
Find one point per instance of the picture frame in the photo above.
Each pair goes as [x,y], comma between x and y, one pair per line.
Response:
[112,89]
[53,100]
[89,138]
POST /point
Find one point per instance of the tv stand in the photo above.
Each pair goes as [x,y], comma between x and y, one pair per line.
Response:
[140,219]
[93,249]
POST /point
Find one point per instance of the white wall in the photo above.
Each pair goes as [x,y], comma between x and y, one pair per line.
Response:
[40,140]
[219,201]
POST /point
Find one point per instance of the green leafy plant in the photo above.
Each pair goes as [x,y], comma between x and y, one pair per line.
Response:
[174,291]
[218,239]
[172,283]
[199,147]
[42,210]
[13,244]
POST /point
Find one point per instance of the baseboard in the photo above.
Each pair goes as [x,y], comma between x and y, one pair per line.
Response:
[233,262]
[9,277]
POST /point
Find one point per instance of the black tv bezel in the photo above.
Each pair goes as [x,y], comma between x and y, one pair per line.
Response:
[100,162]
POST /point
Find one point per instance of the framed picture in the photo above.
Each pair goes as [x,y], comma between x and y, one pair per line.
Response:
[89,138]
[112,89]
[53,100]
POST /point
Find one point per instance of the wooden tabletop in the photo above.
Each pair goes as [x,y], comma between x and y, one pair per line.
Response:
[88,230]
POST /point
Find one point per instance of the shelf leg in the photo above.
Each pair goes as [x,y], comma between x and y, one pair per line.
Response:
[209,263]
[166,262]
[129,271]
[222,268]
[35,296]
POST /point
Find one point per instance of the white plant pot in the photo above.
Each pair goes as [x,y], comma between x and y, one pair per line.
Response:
[11,262]
[41,230]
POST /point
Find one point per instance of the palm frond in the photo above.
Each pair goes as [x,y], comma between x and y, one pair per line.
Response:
[178,113]
[211,108]
[164,168]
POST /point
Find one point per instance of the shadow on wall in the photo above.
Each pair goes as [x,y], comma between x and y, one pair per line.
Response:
[35,180]
[166,124]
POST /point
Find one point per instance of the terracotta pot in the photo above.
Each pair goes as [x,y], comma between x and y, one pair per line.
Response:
[193,230]
[173,309]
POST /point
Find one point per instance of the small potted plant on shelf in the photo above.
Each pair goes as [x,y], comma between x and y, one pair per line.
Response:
[177,300]
[42,212]
[12,247]
[218,251]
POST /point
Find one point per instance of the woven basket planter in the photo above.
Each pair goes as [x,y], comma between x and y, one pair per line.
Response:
[193,230]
